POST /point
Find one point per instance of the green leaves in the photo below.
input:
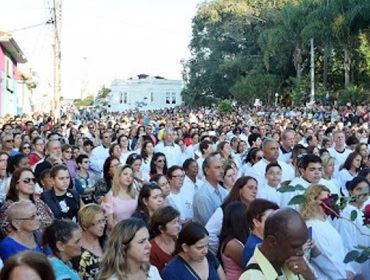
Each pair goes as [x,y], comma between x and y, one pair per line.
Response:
[290,188]
[357,256]
[298,199]
[353,215]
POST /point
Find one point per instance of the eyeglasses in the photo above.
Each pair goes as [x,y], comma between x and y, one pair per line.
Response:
[26,147]
[99,222]
[160,160]
[68,152]
[86,161]
[28,180]
[178,176]
[31,218]
[9,141]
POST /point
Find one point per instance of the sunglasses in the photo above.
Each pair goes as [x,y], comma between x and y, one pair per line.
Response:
[9,141]
[28,180]
[26,147]
[31,218]
[160,160]
[68,152]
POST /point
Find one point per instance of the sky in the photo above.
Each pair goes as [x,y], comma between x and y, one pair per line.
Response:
[102,40]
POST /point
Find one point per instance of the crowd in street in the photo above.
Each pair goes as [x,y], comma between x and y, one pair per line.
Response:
[186,194]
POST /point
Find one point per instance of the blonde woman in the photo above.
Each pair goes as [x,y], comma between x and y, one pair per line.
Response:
[121,201]
[127,253]
[328,166]
[92,221]
[313,210]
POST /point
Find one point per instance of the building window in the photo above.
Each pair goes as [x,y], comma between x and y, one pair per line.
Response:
[9,75]
[151,97]
[125,97]
[120,97]
[173,98]
[168,97]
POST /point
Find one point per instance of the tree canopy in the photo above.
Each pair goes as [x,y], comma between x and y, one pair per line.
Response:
[243,49]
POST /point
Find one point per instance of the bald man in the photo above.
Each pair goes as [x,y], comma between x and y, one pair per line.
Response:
[280,256]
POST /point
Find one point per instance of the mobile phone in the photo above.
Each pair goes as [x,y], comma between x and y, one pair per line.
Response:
[310,233]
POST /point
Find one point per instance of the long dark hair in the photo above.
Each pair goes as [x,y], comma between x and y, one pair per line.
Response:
[13,192]
[348,162]
[145,194]
[107,177]
[234,225]
[234,194]
[153,169]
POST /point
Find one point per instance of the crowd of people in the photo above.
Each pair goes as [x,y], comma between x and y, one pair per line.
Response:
[186,194]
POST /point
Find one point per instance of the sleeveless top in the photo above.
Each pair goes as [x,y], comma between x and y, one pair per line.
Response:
[232,269]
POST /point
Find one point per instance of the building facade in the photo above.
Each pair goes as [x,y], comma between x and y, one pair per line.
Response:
[144,92]
[10,56]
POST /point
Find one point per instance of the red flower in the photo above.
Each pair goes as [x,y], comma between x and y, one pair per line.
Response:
[367,215]
[330,207]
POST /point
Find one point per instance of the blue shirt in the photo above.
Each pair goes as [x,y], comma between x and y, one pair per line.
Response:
[9,247]
[177,270]
[206,200]
[62,271]
[249,246]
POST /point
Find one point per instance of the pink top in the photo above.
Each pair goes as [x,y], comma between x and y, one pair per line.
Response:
[232,269]
[121,209]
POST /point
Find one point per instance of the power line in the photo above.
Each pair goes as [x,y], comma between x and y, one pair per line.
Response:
[50,21]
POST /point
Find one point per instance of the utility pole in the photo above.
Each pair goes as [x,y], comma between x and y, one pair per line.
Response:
[57,16]
[312,99]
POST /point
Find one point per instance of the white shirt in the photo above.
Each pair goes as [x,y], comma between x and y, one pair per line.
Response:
[332,185]
[270,193]
[213,227]
[172,152]
[340,158]
[329,264]
[183,201]
[352,237]
[97,158]
[153,274]
[343,177]
[259,169]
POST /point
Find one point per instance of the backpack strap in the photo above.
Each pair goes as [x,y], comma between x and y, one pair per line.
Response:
[254,266]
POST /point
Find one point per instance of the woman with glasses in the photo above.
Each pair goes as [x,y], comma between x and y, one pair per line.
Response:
[85,180]
[67,158]
[103,186]
[92,221]
[127,253]
[150,199]
[63,202]
[121,201]
[63,238]
[37,153]
[158,164]
[23,219]
[254,155]
[25,148]
[22,188]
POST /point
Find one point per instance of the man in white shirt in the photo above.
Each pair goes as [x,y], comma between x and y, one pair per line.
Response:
[286,145]
[310,168]
[168,147]
[100,153]
[339,151]
[270,149]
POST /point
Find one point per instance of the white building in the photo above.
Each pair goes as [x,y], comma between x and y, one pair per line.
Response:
[145,93]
